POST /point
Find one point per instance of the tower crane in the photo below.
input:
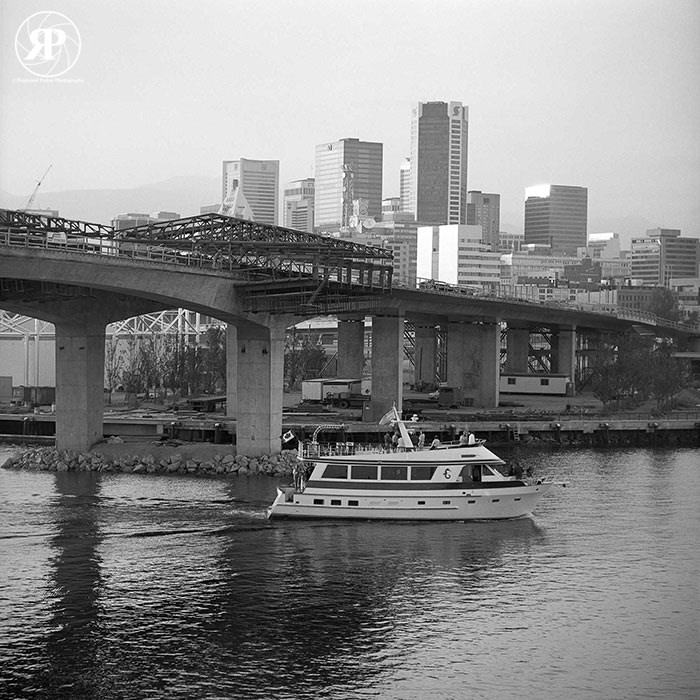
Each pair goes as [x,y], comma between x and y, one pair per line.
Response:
[30,201]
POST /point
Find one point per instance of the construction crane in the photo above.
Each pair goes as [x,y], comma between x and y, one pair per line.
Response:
[30,201]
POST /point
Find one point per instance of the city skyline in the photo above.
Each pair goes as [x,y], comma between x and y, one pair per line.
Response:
[587,93]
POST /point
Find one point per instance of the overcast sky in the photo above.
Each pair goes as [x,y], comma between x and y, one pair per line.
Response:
[599,93]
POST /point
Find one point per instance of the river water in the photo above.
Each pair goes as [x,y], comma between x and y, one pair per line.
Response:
[131,586]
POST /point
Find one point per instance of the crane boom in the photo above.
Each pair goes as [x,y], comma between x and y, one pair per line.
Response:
[30,201]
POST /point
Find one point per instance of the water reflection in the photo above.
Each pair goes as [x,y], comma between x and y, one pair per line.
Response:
[73,639]
[326,599]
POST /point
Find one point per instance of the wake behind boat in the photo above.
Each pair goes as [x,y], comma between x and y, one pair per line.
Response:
[446,482]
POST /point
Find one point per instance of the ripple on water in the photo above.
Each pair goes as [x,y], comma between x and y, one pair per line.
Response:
[128,586]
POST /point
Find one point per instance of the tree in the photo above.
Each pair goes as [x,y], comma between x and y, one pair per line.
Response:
[114,362]
[668,375]
[303,358]
[620,372]
[635,369]
[663,303]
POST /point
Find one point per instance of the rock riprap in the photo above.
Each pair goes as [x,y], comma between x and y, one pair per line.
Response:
[50,459]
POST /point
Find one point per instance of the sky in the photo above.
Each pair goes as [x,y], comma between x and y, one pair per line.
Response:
[603,94]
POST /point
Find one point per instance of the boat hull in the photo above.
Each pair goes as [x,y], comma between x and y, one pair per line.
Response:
[486,504]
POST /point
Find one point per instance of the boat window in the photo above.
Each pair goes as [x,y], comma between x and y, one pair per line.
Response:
[421,503]
[335,501]
[318,501]
[394,473]
[446,503]
[422,473]
[353,503]
[336,471]
[363,471]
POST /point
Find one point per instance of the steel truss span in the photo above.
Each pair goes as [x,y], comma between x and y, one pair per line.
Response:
[279,270]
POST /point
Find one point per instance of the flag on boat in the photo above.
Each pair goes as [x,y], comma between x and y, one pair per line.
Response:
[289,435]
[390,416]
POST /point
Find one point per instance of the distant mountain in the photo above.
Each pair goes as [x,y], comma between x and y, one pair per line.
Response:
[184,194]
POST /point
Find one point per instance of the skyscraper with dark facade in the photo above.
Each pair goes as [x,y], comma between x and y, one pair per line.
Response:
[557,216]
[439,139]
[484,209]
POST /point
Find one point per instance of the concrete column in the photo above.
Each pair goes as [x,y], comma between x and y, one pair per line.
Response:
[231,370]
[473,361]
[80,367]
[351,353]
[259,380]
[564,352]
[425,354]
[517,349]
[387,365]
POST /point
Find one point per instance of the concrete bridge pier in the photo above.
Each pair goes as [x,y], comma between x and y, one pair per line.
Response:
[425,354]
[473,360]
[564,352]
[80,363]
[351,347]
[255,382]
[387,365]
[517,349]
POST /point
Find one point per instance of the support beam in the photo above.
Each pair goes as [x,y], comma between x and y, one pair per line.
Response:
[517,349]
[387,365]
[473,361]
[231,370]
[259,381]
[80,366]
[351,353]
[425,354]
[564,352]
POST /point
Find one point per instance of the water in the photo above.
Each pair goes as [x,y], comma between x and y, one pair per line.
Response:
[171,587]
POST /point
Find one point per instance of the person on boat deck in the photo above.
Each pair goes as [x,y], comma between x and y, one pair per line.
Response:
[387,442]
[421,440]
[435,443]
[471,440]
[463,438]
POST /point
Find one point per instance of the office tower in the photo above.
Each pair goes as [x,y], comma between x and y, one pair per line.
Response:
[484,209]
[250,189]
[439,137]
[455,254]
[405,184]
[298,203]
[129,220]
[663,255]
[557,216]
[348,184]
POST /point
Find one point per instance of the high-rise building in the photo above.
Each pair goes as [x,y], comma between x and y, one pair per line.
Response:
[455,254]
[439,138]
[130,219]
[348,184]
[484,209]
[250,189]
[557,216]
[298,204]
[405,184]
[662,255]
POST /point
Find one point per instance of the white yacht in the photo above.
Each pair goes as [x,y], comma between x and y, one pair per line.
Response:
[445,482]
